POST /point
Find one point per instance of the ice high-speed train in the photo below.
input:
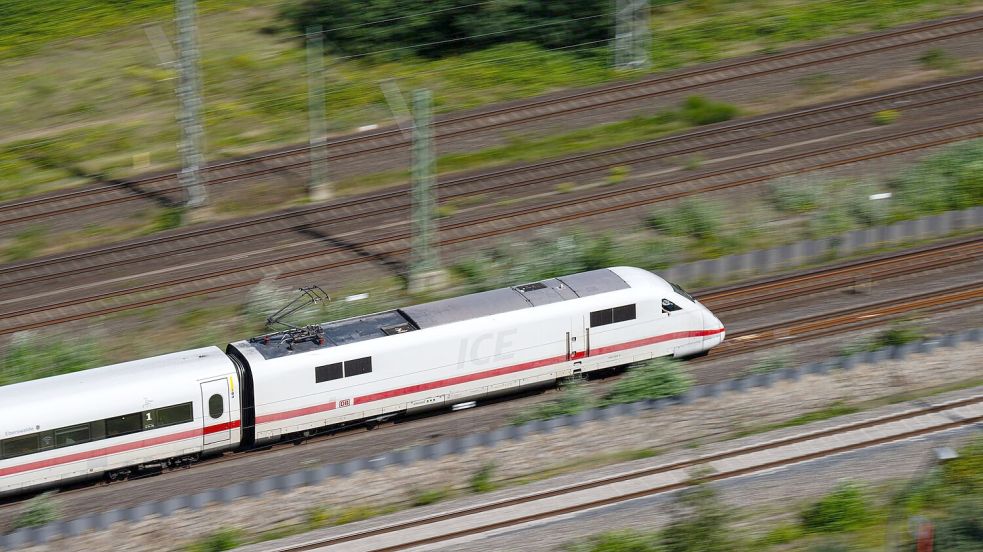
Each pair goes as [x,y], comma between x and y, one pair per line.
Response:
[170,410]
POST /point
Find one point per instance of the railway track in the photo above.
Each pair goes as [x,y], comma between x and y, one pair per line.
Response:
[443,526]
[849,275]
[163,185]
[367,210]
[850,319]
[593,203]
[732,299]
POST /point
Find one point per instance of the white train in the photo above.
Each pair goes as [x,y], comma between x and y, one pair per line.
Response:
[170,410]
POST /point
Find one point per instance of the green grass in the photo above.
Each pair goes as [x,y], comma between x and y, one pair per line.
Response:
[104,98]
[832,411]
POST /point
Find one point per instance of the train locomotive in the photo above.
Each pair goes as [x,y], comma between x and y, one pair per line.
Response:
[152,414]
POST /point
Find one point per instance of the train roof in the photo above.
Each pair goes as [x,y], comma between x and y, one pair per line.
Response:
[137,379]
[445,311]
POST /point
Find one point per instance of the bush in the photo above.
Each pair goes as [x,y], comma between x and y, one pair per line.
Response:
[39,510]
[844,509]
[701,525]
[425,497]
[27,243]
[620,541]
[690,217]
[224,539]
[698,110]
[574,397]
[166,219]
[938,59]
[769,364]
[433,28]
[963,530]
[898,334]
[481,480]
[798,198]
[950,180]
[886,116]
[617,174]
[657,378]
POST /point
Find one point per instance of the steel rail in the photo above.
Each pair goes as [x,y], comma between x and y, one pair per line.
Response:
[565,165]
[576,102]
[448,188]
[593,200]
[657,488]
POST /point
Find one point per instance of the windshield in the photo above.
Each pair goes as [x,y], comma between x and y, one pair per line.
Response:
[681,291]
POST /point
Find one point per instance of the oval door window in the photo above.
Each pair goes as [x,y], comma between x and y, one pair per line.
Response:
[215,406]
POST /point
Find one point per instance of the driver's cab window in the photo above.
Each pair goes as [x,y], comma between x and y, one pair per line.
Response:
[668,306]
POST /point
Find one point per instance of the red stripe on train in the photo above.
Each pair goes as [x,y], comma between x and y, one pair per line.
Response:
[295,413]
[116,449]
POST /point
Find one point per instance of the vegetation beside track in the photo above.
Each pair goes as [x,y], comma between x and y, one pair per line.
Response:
[789,211]
[850,517]
[105,98]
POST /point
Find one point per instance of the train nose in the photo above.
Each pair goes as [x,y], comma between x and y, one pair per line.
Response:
[715,330]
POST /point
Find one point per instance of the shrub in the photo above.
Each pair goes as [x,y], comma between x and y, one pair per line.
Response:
[698,110]
[938,59]
[433,28]
[949,180]
[793,197]
[574,397]
[962,531]
[843,509]
[425,497]
[481,481]
[691,217]
[39,510]
[617,174]
[657,378]
[769,364]
[166,219]
[565,187]
[27,243]
[444,211]
[898,334]
[701,524]
[620,541]
[224,539]
[886,116]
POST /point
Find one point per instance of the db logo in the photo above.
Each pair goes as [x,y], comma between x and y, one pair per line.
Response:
[344,402]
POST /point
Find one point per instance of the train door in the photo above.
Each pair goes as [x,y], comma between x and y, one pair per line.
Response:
[217,416]
[578,340]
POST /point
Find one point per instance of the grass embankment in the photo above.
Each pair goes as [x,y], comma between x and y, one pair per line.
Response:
[87,106]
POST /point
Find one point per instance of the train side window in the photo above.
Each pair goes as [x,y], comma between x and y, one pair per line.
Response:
[73,435]
[669,306]
[149,419]
[624,313]
[19,446]
[600,318]
[97,430]
[358,366]
[122,425]
[173,415]
[327,372]
[216,406]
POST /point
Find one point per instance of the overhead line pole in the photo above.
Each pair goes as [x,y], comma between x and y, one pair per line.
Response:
[189,97]
[632,35]
[319,187]
[424,266]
